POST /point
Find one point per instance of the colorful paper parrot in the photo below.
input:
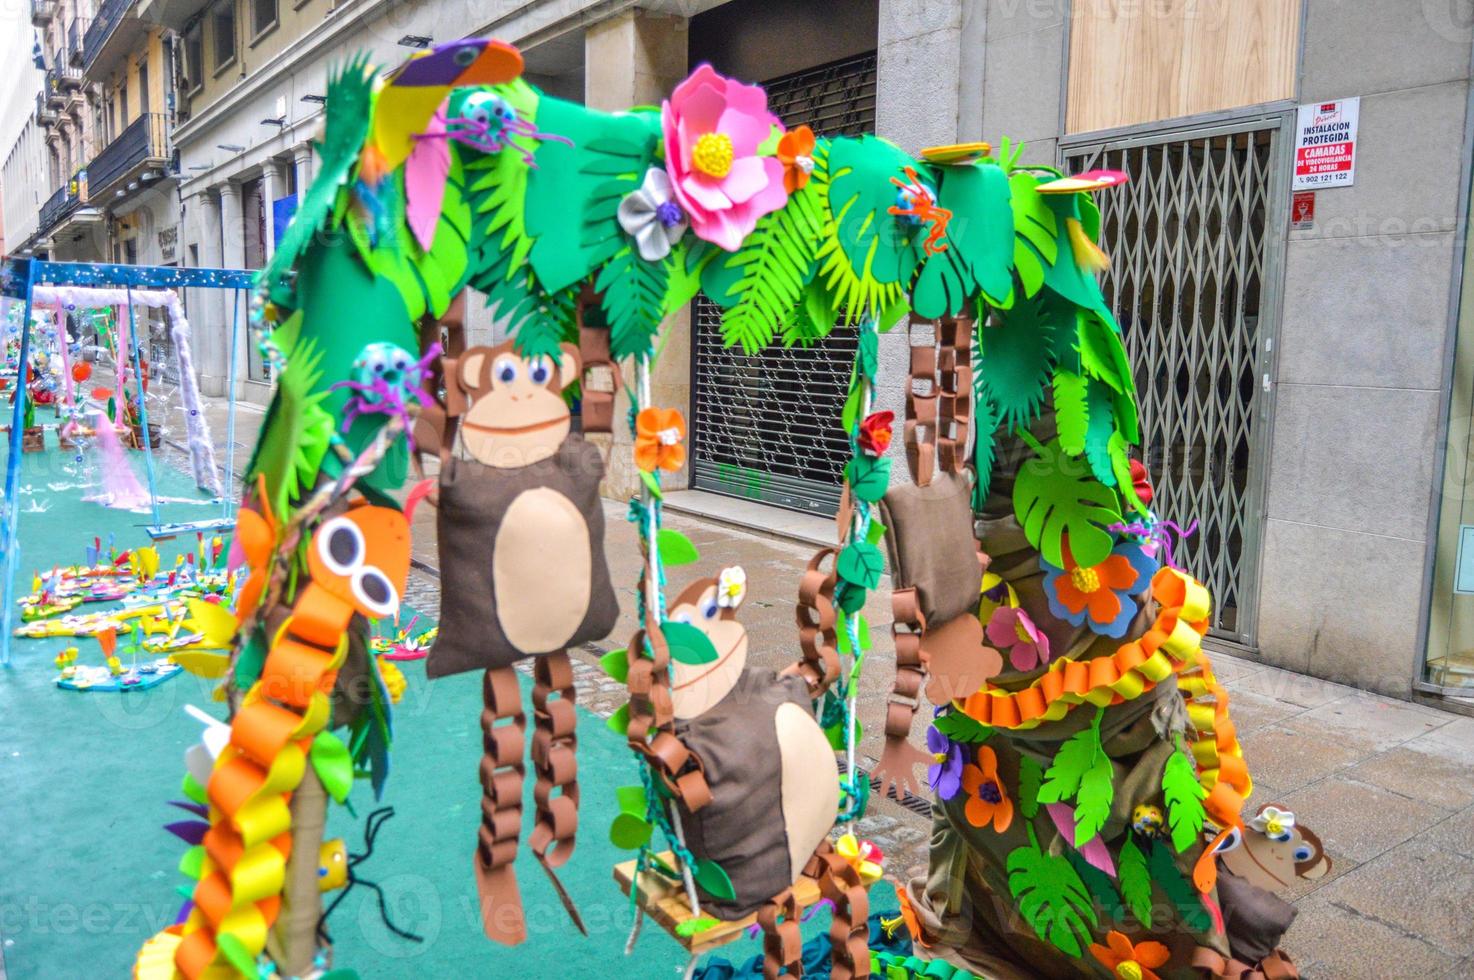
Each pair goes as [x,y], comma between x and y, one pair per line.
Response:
[410,95]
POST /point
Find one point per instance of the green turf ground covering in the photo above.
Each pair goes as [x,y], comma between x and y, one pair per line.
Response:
[87,872]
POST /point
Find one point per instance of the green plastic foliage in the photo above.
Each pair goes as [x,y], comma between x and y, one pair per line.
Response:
[574,191]
[350,95]
[688,645]
[1184,796]
[1136,882]
[869,477]
[1051,898]
[774,261]
[331,762]
[1179,890]
[675,548]
[713,880]
[1054,496]
[867,257]
[1012,363]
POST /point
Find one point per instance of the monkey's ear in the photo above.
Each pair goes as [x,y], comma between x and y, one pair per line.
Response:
[568,365]
[469,367]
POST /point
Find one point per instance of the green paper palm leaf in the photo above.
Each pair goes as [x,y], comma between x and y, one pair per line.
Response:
[349,110]
[1183,896]
[1013,362]
[297,431]
[1136,882]
[1184,796]
[1055,496]
[1052,898]
[775,261]
[634,302]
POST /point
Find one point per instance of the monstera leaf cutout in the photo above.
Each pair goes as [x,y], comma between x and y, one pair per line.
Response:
[1056,497]
[867,257]
[1052,898]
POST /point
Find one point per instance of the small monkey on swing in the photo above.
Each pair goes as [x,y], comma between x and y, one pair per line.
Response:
[521,532]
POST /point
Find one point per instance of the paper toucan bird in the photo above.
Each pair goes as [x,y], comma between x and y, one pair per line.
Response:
[411,94]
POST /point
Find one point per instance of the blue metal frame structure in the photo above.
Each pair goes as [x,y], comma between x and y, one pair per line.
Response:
[18,277]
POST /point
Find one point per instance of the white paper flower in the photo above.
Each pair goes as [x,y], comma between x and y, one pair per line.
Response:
[652,217]
[1274,823]
[731,587]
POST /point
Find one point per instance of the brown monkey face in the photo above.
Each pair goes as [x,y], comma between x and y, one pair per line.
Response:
[517,415]
[696,688]
[1273,863]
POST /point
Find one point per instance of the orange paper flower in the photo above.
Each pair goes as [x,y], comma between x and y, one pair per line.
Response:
[796,153]
[987,801]
[1128,961]
[660,436]
[909,916]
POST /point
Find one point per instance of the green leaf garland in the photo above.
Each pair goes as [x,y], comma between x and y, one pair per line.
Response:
[861,564]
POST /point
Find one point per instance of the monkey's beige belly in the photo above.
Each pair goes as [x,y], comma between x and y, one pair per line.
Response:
[810,783]
[542,571]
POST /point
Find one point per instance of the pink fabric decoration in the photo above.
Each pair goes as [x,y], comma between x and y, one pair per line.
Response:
[424,180]
[1094,850]
[1011,629]
[722,209]
[120,488]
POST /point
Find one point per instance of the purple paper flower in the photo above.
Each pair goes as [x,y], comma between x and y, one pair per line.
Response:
[945,773]
[1011,629]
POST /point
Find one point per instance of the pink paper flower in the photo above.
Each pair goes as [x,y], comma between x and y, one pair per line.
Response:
[1011,629]
[713,128]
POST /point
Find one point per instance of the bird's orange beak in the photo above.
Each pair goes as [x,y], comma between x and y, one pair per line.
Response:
[498,62]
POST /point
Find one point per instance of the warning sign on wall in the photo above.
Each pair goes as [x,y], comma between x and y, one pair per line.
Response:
[1325,145]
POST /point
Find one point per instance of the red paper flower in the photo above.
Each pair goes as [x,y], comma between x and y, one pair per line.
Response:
[875,433]
[1141,481]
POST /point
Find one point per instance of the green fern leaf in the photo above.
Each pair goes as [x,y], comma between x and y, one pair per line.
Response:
[984,449]
[1184,795]
[1075,758]
[1136,882]
[1051,898]
[1030,776]
[634,302]
[775,260]
[1071,413]
[1093,803]
[1100,429]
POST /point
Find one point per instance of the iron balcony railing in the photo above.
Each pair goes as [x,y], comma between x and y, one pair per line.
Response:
[45,114]
[67,198]
[76,37]
[145,138]
[107,19]
[42,11]
[54,95]
[68,78]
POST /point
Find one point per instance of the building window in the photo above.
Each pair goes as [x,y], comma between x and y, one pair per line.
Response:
[224,30]
[194,58]
[263,16]
[122,106]
[143,88]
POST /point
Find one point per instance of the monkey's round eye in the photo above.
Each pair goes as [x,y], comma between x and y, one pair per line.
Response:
[340,545]
[505,369]
[709,609]
[465,56]
[1234,839]
[1304,853]
[540,371]
[373,590]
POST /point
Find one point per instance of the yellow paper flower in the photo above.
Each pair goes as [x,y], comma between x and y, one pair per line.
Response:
[393,679]
[862,855]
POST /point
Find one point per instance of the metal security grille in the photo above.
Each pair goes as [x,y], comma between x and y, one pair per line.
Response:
[766,427]
[1196,240]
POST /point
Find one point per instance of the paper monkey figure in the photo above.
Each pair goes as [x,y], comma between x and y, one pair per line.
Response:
[523,573]
[771,772]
